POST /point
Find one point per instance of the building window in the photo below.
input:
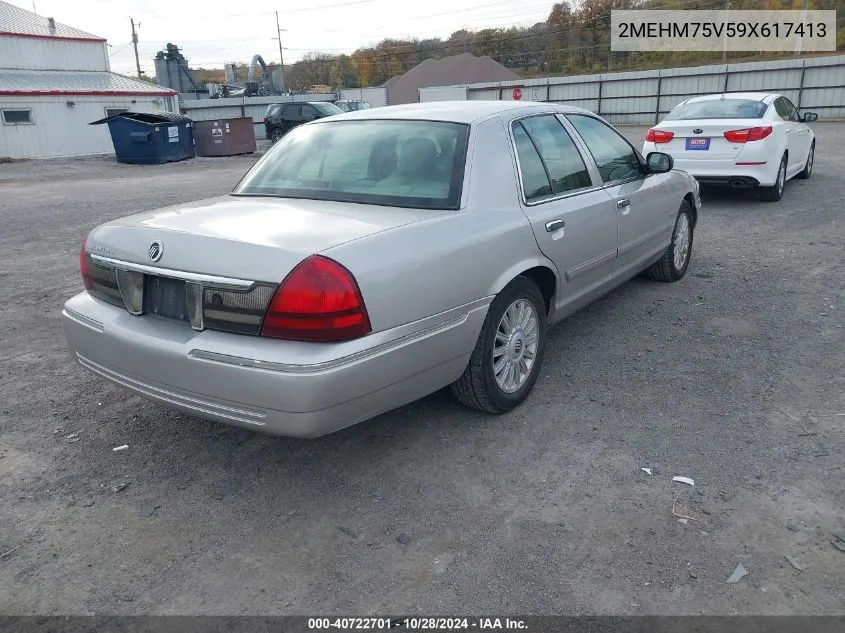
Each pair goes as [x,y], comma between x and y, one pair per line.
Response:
[114,111]
[17,117]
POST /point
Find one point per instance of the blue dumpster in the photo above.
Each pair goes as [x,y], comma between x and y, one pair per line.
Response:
[150,137]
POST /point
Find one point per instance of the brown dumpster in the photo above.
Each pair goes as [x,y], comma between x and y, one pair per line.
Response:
[224,137]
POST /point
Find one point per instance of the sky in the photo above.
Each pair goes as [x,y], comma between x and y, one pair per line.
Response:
[212,32]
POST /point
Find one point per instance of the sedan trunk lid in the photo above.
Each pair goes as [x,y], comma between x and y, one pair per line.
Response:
[717,147]
[243,237]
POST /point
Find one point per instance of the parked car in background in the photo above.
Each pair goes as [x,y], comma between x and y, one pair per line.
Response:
[369,260]
[352,106]
[281,118]
[746,139]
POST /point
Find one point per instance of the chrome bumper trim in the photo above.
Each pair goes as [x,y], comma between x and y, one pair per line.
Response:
[226,283]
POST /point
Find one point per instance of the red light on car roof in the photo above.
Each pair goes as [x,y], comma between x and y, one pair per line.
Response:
[748,134]
[319,300]
[658,136]
[83,268]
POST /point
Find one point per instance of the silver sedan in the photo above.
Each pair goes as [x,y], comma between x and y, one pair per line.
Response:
[372,258]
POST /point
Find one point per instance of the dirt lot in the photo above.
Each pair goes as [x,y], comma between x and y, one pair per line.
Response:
[733,377]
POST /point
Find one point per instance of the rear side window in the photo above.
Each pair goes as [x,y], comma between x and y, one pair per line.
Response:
[719,109]
[562,159]
[614,156]
[293,112]
[785,109]
[535,180]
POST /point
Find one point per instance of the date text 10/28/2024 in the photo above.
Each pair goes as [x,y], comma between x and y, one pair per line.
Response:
[417,624]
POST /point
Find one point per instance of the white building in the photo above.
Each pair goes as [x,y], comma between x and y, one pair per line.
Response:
[54,81]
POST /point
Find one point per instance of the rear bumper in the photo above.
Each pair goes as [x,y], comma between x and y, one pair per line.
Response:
[752,167]
[264,384]
[737,182]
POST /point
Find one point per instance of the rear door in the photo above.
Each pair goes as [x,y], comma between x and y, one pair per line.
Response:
[646,212]
[573,219]
[800,136]
[786,111]
[309,112]
[292,116]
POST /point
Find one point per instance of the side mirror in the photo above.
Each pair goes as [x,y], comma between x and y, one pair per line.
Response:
[659,163]
[809,117]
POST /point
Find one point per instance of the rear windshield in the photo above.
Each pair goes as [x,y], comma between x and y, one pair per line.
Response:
[417,164]
[719,109]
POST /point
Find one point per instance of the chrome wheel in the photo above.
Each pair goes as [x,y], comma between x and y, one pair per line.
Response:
[781,178]
[810,159]
[276,136]
[515,347]
[682,235]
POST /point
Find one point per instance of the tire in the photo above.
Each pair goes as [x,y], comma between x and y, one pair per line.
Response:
[276,135]
[479,387]
[808,166]
[669,267]
[775,192]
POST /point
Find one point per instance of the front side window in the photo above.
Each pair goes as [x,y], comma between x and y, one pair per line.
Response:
[416,164]
[563,161]
[17,117]
[614,156]
[327,109]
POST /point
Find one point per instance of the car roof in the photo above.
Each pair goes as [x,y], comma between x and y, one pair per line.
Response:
[751,96]
[456,111]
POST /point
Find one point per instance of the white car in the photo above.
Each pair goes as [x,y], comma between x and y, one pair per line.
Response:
[745,139]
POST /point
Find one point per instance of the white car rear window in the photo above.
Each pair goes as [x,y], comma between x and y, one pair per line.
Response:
[417,164]
[719,109]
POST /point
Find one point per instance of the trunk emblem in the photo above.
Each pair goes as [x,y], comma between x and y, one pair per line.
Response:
[697,130]
[155,250]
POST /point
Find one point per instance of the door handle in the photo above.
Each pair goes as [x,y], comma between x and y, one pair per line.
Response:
[624,202]
[555,225]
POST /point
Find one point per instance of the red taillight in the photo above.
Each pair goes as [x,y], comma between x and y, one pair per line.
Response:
[748,134]
[659,136]
[83,268]
[318,301]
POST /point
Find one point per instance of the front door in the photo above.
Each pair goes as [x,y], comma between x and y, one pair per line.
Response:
[646,213]
[573,219]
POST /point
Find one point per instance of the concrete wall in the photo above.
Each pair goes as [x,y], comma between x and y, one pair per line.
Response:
[643,97]
[60,130]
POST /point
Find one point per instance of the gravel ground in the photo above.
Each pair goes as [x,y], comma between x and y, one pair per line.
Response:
[732,376]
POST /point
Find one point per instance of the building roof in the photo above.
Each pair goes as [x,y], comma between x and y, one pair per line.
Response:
[22,23]
[449,71]
[451,111]
[76,82]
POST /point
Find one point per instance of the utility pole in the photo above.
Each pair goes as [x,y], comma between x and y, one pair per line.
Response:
[282,56]
[135,45]
[799,39]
